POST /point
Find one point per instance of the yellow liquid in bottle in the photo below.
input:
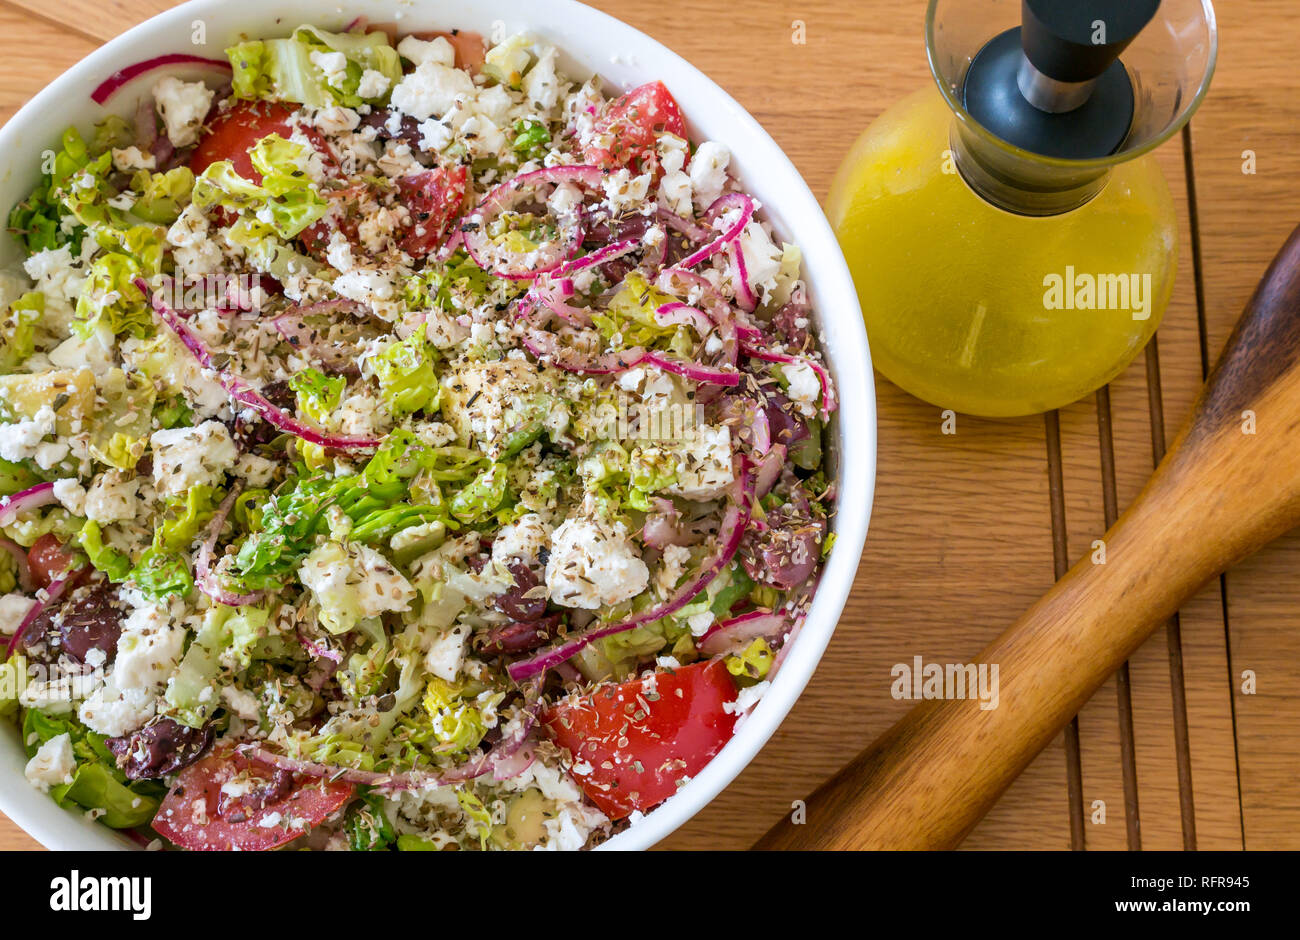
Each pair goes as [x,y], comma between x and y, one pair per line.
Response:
[967,306]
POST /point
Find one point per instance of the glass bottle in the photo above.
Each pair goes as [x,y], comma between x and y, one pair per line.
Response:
[1001,280]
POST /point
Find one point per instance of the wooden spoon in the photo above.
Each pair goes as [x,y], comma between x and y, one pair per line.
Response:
[1228,486]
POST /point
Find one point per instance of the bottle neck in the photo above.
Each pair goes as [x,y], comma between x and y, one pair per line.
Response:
[1021,184]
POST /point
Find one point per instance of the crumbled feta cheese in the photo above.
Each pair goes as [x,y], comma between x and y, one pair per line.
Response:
[494,103]
[244,704]
[59,278]
[183,107]
[132,158]
[336,120]
[447,653]
[184,458]
[96,351]
[339,253]
[762,258]
[709,172]
[625,192]
[805,388]
[51,453]
[52,764]
[675,187]
[334,65]
[482,137]
[541,84]
[71,495]
[365,286]
[438,51]
[593,564]
[434,135]
[256,471]
[521,540]
[700,623]
[746,699]
[431,90]
[674,566]
[114,712]
[373,84]
[112,497]
[704,468]
[149,648]
[14,609]
[352,583]
[20,439]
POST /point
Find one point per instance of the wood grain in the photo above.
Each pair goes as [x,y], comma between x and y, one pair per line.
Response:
[961,540]
[926,782]
[1253,108]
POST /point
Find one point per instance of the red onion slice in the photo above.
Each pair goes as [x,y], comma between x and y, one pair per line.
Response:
[769,470]
[745,295]
[720,205]
[207,580]
[244,393]
[688,227]
[730,533]
[726,635]
[599,256]
[114,82]
[828,389]
[320,652]
[513,265]
[52,595]
[678,313]
[509,757]
[42,494]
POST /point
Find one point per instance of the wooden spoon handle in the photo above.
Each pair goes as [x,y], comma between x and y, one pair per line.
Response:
[1229,485]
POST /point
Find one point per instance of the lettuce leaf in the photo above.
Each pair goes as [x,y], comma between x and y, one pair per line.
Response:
[18,332]
[96,784]
[163,196]
[285,202]
[109,295]
[282,69]
[407,380]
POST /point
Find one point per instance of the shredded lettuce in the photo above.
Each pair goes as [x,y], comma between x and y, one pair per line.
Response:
[120,433]
[18,332]
[282,69]
[96,784]
[226,638]
[407,380]
[318,397]
[367,826]
[109,295]
[753,663]
[76,185]
[163,196]
[285,202]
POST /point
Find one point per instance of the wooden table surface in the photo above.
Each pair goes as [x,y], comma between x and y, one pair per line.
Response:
[969,528]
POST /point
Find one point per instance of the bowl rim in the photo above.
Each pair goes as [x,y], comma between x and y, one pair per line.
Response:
[833,294]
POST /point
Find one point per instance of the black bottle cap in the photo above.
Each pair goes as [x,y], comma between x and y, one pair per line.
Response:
[1077,40]
[1056,86]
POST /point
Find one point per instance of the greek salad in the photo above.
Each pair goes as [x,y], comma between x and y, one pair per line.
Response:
[404,445]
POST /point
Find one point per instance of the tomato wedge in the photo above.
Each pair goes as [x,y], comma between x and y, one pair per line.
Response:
[634,121]
[226,802]
[469,46]
[232,134]
[48,560]
[634,744]
[435,199]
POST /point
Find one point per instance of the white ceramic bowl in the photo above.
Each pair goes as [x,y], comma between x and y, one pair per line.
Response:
[591,42]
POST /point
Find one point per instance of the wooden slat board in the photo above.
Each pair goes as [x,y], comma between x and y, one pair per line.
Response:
[962,536]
